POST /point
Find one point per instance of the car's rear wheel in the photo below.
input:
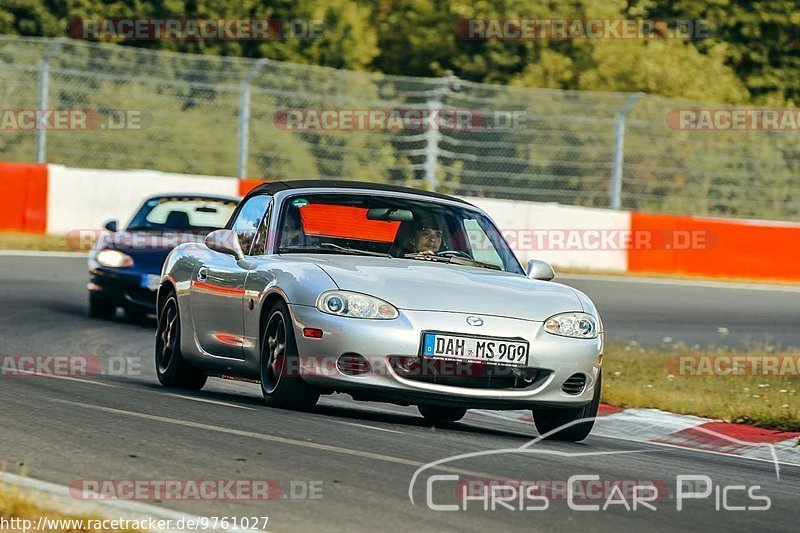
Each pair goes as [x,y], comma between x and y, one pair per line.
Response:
[549,419]
[281,383]
[101,307]
[436,414]
[171,368]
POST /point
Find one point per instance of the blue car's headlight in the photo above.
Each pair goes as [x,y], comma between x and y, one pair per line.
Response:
[577,325]
[114,259]
[355,305]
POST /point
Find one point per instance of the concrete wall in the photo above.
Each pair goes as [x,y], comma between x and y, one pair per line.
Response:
[85,198]
[56,199]
[550,232]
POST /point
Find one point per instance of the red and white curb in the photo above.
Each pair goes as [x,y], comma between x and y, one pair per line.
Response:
[686,431]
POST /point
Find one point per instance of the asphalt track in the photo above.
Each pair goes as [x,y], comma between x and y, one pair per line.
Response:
[363,456]
[659,312]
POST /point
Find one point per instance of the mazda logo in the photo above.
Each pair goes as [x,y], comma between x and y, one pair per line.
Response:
[474,321]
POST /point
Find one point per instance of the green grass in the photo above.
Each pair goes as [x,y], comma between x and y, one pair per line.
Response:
[634,376]
[31,241]
[18,503]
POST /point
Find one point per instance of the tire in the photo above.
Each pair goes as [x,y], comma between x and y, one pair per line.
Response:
[548,419]
[281,385]
[101,307]
[171,368]
[435,414]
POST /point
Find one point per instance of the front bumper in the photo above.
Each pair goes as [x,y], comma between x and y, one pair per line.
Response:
[124,288]
[553,359]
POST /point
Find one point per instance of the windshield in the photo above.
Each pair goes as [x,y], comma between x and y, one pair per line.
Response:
[183,213]
[405,229]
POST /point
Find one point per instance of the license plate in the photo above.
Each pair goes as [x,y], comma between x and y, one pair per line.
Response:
[151,281]
[488,350]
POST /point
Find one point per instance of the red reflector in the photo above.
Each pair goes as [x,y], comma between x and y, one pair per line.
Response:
[313,333]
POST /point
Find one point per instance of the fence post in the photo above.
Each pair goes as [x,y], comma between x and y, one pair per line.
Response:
[615,191]
[244,117]
[432,138]
[447,85]
[44,89]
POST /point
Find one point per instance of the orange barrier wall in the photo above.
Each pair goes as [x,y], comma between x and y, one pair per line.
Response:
[23,197]
[714,247]
[248,184]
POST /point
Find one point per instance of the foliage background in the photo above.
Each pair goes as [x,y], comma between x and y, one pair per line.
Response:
[396,53]
[752,56]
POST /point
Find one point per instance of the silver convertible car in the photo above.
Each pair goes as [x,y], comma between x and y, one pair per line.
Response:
[385,293]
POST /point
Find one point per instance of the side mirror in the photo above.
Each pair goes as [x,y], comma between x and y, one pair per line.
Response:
[111,225]
[542,270]
[225,241]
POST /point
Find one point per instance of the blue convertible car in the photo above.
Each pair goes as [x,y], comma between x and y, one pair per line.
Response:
[125,266]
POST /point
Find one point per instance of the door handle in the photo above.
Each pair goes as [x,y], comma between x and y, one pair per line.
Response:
[202,274]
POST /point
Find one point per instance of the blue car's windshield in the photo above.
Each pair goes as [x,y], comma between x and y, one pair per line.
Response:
[402,228]
[182,214]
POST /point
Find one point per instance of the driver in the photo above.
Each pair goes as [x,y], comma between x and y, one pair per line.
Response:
[293,234]
[427,237]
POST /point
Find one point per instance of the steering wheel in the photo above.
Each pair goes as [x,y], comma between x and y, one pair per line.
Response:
[452,253]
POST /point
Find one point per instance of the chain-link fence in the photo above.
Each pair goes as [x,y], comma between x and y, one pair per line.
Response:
[228,116]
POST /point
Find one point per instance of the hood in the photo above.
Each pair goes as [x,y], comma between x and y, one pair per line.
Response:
[428,286]
[148,249]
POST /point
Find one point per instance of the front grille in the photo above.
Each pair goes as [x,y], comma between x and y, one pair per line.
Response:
[352,364]
[466,374]
[574,384]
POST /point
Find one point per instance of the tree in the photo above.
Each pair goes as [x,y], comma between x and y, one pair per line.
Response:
[763,41]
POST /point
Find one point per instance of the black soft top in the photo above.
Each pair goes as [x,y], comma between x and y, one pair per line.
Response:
[276,186]
[192,196]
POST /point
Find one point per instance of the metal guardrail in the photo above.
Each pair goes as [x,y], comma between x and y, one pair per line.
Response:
[222,116]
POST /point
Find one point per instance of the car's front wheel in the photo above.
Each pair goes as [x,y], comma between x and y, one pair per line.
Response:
[550,419]
[171,368]
[436,414]
[281,383]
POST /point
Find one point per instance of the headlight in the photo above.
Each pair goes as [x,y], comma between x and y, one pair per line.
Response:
[355,305]
[578,325]
[114,259]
